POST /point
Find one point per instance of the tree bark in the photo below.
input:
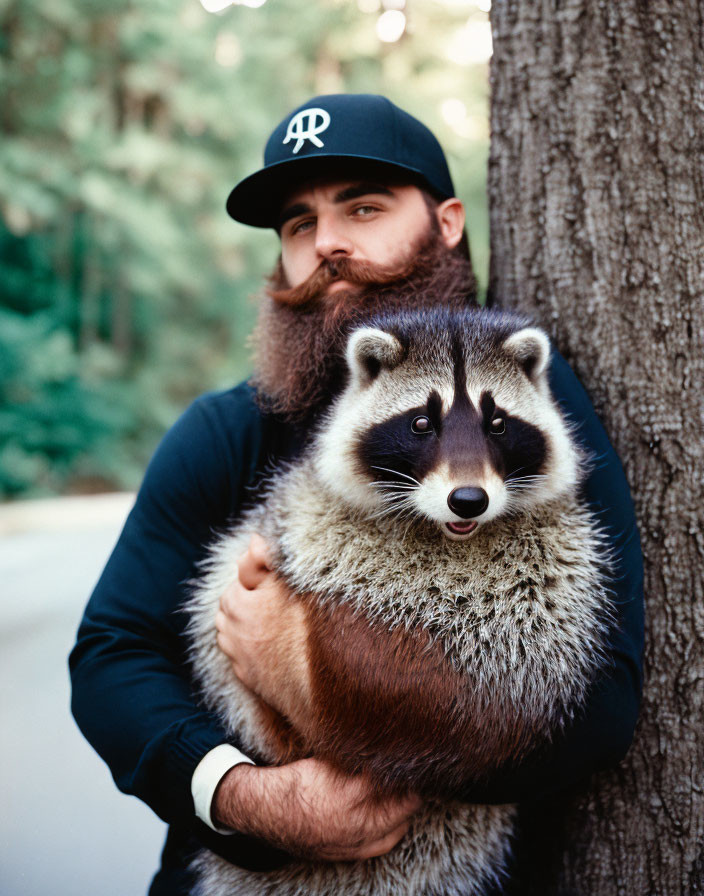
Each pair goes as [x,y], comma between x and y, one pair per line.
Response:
[596,185]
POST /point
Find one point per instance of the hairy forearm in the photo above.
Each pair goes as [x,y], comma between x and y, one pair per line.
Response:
[240,796]
[308,809]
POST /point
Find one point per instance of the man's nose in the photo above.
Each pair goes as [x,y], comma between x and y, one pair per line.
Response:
[331,240]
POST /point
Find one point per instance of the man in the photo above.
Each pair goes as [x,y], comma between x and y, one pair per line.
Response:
[362,199]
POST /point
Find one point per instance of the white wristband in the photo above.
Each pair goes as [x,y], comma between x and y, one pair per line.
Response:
[208,774]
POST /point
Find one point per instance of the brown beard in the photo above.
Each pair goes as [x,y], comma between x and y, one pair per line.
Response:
[301,332]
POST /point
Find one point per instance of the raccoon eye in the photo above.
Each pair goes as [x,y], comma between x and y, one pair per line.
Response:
[498,427]
[421,425]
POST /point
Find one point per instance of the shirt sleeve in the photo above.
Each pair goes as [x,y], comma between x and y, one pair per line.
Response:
[602,731]
[131,692]
[208,774]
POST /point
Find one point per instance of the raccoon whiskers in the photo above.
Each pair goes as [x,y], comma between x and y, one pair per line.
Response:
[514,487]
[513,472]
[411,479]
[394,486]
[394,503]
[395,497]
[398,508]
[525,481]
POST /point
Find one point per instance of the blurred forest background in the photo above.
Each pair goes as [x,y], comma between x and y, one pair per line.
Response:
[125,290]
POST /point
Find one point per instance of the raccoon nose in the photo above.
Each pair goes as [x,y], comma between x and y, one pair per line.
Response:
[468,501]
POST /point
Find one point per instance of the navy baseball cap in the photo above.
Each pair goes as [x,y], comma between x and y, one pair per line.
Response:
[313,138]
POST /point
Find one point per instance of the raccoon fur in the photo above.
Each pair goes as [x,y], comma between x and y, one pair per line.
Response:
[454,586]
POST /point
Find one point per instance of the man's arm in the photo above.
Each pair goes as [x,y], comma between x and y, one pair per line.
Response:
[132,695]
[308,808]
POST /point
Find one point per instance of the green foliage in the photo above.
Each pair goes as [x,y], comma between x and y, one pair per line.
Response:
[124,287]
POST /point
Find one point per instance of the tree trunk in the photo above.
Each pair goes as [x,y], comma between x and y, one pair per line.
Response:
[596,182]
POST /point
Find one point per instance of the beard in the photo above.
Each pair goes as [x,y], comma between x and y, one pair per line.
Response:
[301,332]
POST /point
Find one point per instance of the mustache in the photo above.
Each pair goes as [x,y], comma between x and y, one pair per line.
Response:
[353,271]
[299,342]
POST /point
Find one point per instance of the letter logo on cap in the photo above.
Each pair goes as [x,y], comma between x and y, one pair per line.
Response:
[306,125]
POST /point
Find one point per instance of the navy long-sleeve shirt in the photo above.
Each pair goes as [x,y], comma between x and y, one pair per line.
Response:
[132,694]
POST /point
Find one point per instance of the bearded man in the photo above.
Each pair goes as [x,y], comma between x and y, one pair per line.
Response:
[362,199]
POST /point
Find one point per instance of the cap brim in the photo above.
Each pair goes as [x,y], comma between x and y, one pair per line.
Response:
[257,199]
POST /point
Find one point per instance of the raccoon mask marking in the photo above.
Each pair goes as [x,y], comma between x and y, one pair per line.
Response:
[454,588]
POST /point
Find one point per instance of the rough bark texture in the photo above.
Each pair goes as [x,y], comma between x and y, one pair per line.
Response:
[597,229]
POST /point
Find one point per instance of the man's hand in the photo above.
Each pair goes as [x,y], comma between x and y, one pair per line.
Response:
[306,807]
[310,810]
[262,630]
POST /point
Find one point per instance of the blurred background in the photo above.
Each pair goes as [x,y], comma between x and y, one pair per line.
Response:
[125,291]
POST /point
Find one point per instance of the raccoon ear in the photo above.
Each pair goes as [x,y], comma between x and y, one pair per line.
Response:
[530,347]
[369,350]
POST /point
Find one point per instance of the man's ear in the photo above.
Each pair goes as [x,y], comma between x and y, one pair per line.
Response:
[451,217]
[369,351]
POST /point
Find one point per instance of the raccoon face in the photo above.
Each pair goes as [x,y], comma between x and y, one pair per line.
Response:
[447,428]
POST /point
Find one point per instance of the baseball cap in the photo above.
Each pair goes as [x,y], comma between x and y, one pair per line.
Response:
[313,138]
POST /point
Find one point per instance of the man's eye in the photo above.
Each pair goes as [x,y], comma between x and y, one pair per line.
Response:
[421,425]
[364,211]
[302,226]
[498,426]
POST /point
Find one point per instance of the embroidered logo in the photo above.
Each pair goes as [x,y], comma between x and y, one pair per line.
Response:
[306,125]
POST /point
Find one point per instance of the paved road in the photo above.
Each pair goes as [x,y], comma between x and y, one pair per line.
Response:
[64,828]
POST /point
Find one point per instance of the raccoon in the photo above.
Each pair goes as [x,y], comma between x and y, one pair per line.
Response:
[456,593]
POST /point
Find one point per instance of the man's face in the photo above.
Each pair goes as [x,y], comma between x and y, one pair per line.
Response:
[350,249]
[365,221]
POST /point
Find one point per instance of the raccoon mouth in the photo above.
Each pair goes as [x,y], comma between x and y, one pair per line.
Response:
[462,528]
